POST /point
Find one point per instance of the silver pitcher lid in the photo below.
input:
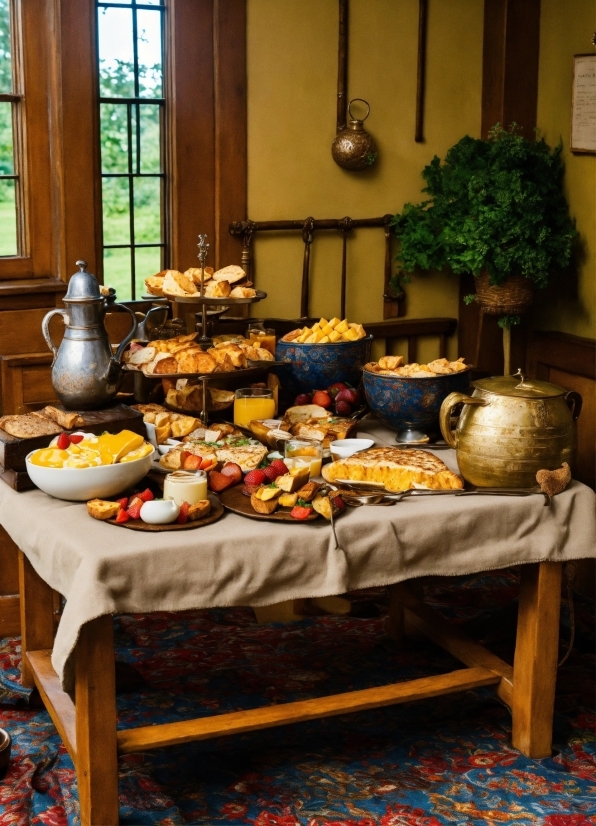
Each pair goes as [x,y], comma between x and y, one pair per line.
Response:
[83,285]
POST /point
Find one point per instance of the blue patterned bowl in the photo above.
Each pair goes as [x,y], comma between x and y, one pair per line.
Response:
[316,366]
[412,405]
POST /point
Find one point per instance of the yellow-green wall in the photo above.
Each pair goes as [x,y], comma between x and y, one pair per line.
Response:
[292,88]
[566,29]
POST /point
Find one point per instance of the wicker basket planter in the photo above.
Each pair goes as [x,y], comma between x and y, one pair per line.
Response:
[511,298]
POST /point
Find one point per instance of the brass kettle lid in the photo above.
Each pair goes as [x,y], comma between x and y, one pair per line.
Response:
[83,285]
[518,385]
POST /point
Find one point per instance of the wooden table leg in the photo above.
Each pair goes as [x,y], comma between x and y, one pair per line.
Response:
[535,662]
[95,700]
[395,620]
[37,615]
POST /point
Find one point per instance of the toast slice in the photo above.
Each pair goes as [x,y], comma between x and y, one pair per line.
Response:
[29,426]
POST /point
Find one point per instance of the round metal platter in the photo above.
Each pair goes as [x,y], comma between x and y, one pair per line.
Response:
[196,299]
[248,372]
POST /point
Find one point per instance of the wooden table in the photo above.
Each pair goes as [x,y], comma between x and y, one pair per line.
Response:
[88,726]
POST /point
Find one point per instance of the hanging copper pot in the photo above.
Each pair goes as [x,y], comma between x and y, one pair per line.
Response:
[354,148]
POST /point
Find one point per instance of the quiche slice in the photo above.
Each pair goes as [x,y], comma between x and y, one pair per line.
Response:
[396,469]
[248,457]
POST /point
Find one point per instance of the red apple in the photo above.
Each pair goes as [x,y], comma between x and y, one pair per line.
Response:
[303,398]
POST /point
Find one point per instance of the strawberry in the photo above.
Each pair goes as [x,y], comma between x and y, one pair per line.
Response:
[75,438]
[232,470]
[63,441]
[146,495]
[271,473]
[123,502]
[219,481]
[182,518]
[254,477]
[301,511]
[134,510]
[192,462]
[279,466]
[248,490]
[122,516]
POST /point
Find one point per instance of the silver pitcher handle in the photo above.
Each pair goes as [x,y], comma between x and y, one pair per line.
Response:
[130,336]
[45,328]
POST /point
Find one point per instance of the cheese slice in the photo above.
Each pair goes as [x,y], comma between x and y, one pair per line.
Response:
[395,469]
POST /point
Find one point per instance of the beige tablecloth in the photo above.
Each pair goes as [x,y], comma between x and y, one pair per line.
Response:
[101,568]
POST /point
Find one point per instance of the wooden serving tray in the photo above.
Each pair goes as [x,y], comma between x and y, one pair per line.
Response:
[215,513]
[234,500]
[114,418]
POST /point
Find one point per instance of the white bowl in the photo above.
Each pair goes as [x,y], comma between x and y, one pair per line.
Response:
[168,445]
[82,484]
[342,448]
[151,435]
[159,511]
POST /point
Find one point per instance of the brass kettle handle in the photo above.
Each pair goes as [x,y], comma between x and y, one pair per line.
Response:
[445,413]
[574,402]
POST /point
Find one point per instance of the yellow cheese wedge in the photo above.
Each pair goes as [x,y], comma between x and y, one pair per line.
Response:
[139,453]
[119,444]
[265,494]
[342,327]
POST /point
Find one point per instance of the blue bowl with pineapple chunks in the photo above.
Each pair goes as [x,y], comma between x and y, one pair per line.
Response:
[315,366]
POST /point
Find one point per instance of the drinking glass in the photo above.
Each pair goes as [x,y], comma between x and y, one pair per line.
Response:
[304,452]
[253,403]
[263,336]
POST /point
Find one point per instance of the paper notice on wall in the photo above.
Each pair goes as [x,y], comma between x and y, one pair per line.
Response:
[583,104]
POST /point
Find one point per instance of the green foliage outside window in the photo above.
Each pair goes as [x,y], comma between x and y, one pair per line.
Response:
[494,205]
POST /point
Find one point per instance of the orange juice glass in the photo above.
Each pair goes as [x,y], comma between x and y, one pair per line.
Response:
[264,337]
[305,452]
[253,403]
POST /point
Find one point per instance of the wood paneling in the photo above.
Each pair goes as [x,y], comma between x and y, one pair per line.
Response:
[9,570]
[190,126]
[74,149]
[511,40]
[229,36]
[10,619]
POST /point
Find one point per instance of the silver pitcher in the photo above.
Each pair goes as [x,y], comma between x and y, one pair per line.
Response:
[85,372]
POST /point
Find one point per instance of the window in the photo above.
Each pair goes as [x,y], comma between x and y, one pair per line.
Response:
[132,117]
[10,196]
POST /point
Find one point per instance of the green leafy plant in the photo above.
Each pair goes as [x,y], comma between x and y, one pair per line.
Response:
[494,205]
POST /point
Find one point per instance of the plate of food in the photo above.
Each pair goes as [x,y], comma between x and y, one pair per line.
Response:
[290,497]
[394,470]
[227,285]
[144,511]
[182,357]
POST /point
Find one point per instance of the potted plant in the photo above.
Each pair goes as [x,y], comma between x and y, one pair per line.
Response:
[496,210]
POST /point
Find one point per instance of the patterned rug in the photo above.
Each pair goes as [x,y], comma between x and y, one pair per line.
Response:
[441,762]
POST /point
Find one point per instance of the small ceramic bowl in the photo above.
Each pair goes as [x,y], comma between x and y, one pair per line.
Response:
[343,448]
[151,437]
[168,445]
[159,511]
[5,746]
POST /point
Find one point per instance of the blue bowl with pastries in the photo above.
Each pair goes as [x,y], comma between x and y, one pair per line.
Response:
[315,366]
[410,404]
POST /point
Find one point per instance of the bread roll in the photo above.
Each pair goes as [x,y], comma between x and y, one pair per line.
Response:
[231,274]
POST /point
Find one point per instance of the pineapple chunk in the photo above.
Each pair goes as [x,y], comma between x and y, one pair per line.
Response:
[265,494]
[323,322]
[311,339]
[334,336]
[342,327]
[324,340]
[359,329]
[334,322]
[350,335]
[318,336]
[288,500]
[315,327]
[301,339]
[327,329]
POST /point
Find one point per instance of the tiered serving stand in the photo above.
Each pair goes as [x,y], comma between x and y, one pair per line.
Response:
[217,306]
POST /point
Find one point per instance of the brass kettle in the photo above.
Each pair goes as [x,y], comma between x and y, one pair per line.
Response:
[510,428]
[354,148]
